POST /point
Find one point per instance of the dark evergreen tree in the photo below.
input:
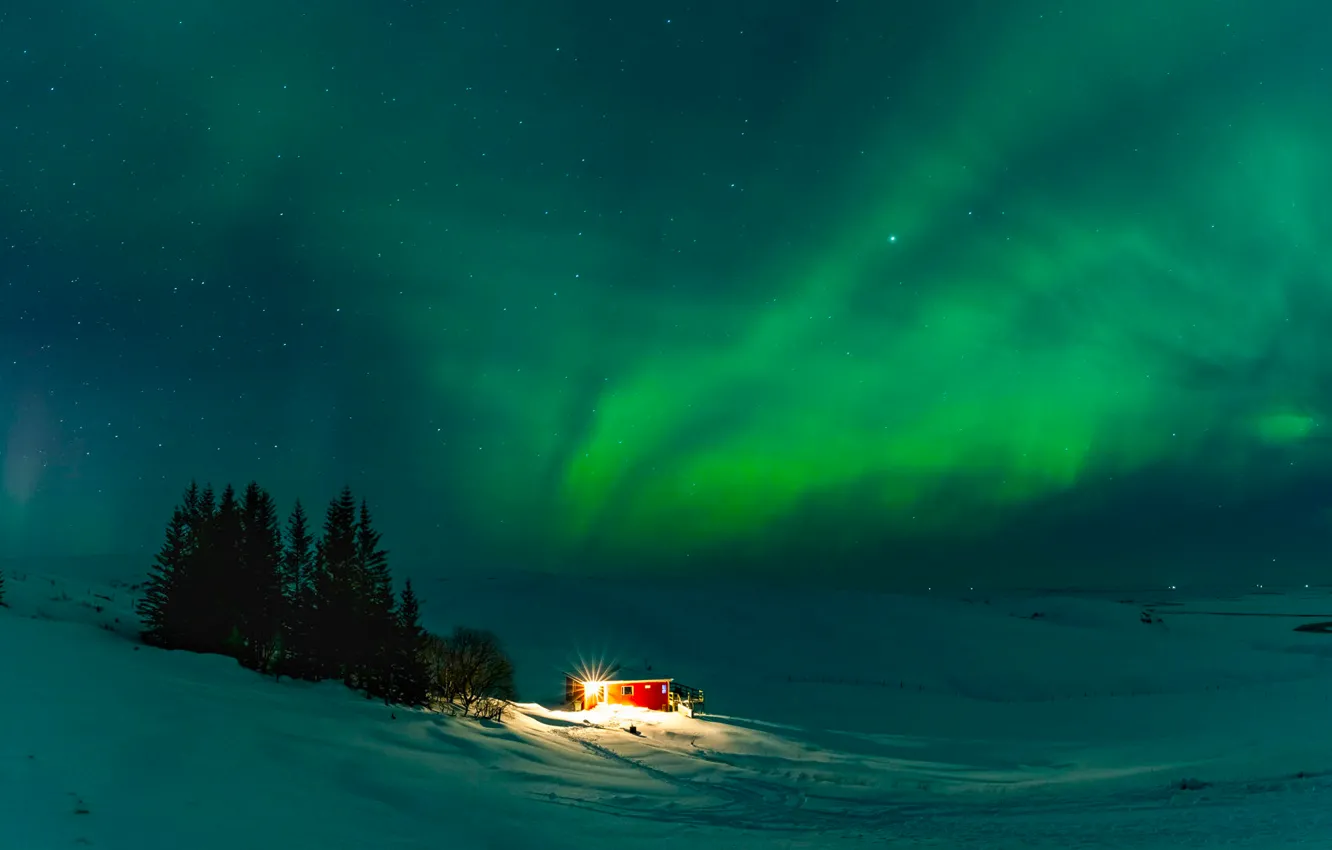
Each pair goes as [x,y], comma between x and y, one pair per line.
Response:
[189,594]
[298,593]
[411,668]
[259,580]
[335,592]
[200,506]
[160,608]
[2,588]
[171,601]
[191,506]
[297,554]
[378,624]
[211,595]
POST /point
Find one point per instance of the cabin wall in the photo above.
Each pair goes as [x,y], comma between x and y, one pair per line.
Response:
[653,695]
[591,699]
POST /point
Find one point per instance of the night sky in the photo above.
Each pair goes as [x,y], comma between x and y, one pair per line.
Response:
[892,294]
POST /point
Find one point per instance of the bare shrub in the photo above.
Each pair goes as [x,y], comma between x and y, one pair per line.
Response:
[470,673]
[490,708]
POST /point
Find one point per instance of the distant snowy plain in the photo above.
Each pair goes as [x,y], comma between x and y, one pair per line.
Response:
[836,720]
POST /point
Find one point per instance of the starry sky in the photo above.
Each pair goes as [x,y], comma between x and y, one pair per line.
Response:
[1020,292]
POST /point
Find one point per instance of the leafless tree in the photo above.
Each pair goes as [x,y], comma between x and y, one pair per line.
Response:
[471,673]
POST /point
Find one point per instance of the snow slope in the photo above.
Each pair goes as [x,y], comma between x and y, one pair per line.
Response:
[838,720]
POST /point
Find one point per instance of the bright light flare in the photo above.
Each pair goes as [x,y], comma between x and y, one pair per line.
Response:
[593,676]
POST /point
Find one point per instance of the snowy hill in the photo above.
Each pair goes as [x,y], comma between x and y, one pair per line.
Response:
[840,720]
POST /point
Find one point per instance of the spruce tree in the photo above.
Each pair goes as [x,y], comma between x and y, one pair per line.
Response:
[189,594]
[259,580]
[297,592]
[202,508]
[159,609]
[297,554]
[191,505]
[335,592]
[213,599]
[411,670]
[196,507]
[377,626]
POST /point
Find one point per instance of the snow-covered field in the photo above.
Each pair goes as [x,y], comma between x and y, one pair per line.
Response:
[836,720]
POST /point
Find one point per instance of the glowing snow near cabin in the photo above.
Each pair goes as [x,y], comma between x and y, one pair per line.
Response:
[862,720]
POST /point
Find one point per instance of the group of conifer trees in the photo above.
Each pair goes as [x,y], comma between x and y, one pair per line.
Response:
[230,580]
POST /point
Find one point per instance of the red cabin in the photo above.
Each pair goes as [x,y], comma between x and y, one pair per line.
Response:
[655,693]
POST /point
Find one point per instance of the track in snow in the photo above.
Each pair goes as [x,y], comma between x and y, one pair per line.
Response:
[1247,815]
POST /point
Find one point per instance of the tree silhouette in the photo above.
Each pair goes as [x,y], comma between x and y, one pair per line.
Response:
[259,580]
[336,596]
[200,508]
[298,593]
[209,592]
[159,608]
[176,597]
[377,623]
[411,671]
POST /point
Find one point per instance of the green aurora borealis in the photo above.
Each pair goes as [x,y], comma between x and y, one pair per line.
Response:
[784,286]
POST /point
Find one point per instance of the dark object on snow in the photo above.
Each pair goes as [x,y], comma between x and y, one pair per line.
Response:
[1193,785]
[633,730]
